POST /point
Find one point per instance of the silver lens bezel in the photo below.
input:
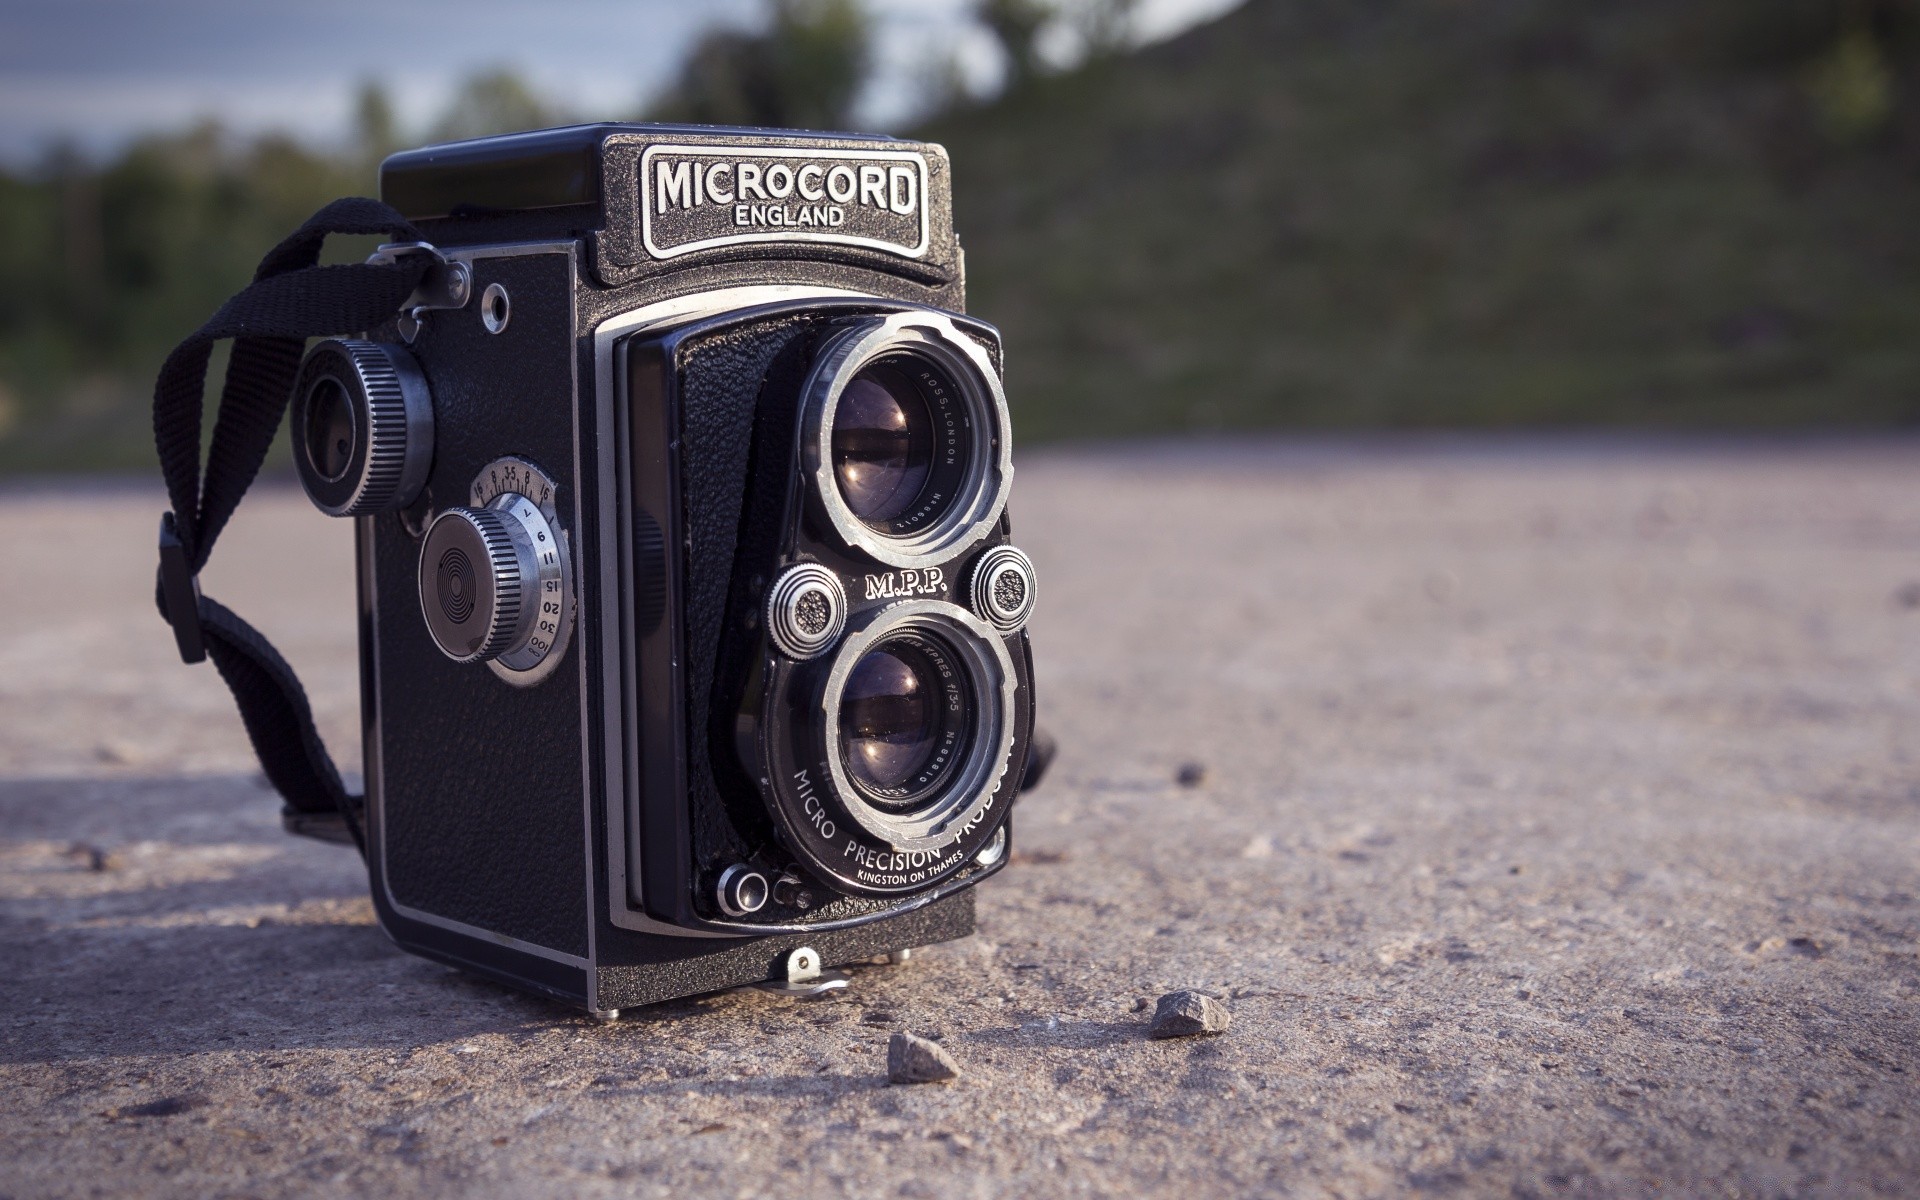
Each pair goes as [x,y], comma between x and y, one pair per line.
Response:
[992,683]
[982,494]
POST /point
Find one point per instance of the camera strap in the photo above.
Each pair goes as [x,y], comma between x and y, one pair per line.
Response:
[291,299]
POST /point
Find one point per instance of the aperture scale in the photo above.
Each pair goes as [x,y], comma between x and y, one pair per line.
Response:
[510,495]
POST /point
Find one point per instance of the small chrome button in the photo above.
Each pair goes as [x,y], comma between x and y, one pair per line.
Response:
[1002,588]
[994,850]
[741,891]
[495,308]
[806,610]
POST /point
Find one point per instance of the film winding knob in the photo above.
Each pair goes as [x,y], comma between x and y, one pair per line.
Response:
[362,427]
[491,584]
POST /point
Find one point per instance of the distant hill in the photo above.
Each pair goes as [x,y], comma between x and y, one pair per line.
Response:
[1330,213]
[1308,214]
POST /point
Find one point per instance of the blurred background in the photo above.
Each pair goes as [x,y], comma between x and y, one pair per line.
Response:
[1187,215]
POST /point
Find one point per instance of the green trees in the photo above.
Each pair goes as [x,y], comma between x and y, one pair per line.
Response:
[804,71]
[1016,25]
[105,265]
[1631,212]
[494,101]
[103,268]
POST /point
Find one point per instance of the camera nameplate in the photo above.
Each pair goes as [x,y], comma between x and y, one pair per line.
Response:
[691,196]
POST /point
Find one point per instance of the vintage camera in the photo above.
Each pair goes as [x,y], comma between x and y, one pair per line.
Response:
[692,636]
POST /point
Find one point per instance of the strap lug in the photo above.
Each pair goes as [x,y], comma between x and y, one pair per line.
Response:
[447,283]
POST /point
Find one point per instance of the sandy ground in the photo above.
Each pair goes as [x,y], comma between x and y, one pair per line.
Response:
[1559,834]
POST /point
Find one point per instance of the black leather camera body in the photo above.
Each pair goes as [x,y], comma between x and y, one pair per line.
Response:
[692,635]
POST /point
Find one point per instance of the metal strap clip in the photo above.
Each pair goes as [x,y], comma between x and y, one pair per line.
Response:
[447,283]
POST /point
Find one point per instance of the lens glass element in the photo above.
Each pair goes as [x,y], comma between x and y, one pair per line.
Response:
[329,431]
[882,444]
[901,442]
[904,720]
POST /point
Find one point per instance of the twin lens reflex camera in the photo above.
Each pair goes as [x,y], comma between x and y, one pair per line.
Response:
[692,635]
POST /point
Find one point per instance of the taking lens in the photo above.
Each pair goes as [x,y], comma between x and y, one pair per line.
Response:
[903,720]
[914,723]
[329,431]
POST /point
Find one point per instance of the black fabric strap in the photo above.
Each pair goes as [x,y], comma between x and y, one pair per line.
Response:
[291,299]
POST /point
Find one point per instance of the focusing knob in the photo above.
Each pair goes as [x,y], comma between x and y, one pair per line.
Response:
[362,427]
[1002,589]
[491,583]
[806,610]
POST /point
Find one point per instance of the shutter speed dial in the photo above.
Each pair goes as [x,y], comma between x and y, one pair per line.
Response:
[495,582]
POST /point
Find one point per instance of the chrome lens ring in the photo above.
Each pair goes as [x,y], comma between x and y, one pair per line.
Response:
[982,483]
[990,686]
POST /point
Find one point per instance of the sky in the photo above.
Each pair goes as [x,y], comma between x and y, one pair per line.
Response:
[94,73]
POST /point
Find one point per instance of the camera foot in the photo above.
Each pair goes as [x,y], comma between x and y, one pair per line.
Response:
[606,1016]
[803,977]
[896,957]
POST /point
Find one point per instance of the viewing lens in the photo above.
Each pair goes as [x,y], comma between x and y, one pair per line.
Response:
[903,720]
[883,444]
[905,437]
[329,432]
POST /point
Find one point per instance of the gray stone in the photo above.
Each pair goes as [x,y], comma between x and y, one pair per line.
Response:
[912,1059]
[1185,1013]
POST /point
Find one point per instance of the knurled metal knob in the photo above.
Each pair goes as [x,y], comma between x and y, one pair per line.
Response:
[1002,589]
[362,427]
[806,610]
[478,579]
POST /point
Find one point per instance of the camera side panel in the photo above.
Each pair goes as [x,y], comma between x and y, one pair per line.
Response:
[477,784]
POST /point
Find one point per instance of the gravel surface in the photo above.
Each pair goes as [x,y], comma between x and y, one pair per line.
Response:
[1547,813]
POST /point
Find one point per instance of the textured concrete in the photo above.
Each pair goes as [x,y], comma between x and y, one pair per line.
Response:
[1552,827]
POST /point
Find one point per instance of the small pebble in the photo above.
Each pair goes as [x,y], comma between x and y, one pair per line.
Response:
[93,858]
[913,1059]
[1190,774]
[118,753]
[1184,1013]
